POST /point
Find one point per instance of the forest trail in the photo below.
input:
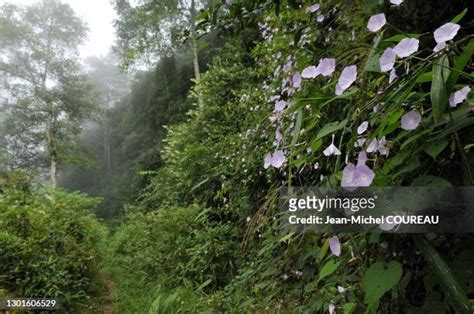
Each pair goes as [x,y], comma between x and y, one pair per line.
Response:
[107,299]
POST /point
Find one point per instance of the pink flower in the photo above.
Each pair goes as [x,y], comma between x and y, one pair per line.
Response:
[278,137]
[280,105]
[387,60]
[347,78]
[310,72]
[362,127]
[359,175]
[335,245]
[276,160]
[459,96]
[406,47]
[378,145]
[396,2]
[341,289]
[376,22]
[326,66]
[313,8]
[439,47]
[446,32]
[360,142]
[296,80]
[267,161]
[411,120]
[331,149]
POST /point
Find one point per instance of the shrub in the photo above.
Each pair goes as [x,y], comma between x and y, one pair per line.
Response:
[49,243]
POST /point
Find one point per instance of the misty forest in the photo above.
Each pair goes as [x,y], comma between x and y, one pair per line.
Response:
[147,180]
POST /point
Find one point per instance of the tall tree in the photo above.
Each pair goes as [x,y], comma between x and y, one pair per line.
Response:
[152,28]
[48,97]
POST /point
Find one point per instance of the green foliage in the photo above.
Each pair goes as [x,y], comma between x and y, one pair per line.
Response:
[48,96]
[213,171]
[49,243]
[378,280]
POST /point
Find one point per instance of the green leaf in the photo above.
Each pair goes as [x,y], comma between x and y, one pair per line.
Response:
[459,65]
[331,128]
[299,121]
[324,250]
[425,77]
[374,238]
[435,148]
[397,38]
[458,17]
[395,117]
[456,125]
[394,162]
[429,180]
[286,237]
[205,283]
[412,165]
[378,280]
[439,97]
[348,308]
[316,144]
[373,64]
[328,268]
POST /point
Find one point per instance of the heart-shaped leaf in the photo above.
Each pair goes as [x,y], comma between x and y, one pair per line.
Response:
[378,280]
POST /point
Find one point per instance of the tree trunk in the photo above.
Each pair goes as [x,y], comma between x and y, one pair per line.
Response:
[197,72]
[53,172]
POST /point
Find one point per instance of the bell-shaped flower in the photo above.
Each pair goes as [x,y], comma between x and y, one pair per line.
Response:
[359,175]
[376,22]
[309,72]
[459,96]
[360,142]
[313,8]
[320,18]
[410,120]
[335,245]
[278,137]
[362,127]
[331,149]
[439,46]
[296,80]
[326,66]
[347,78]
[276,160]
[381,147]
[341,289]
[446,32]
[387,60]
[377,146]
[361,158]
[280,105]
[406,47]
[396,2]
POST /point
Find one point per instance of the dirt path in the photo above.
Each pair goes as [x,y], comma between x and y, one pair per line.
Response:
[107,300]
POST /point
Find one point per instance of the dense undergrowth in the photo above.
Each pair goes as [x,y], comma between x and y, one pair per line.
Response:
[51,244]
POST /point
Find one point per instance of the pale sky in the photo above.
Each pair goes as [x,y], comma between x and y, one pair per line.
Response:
[99,16]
